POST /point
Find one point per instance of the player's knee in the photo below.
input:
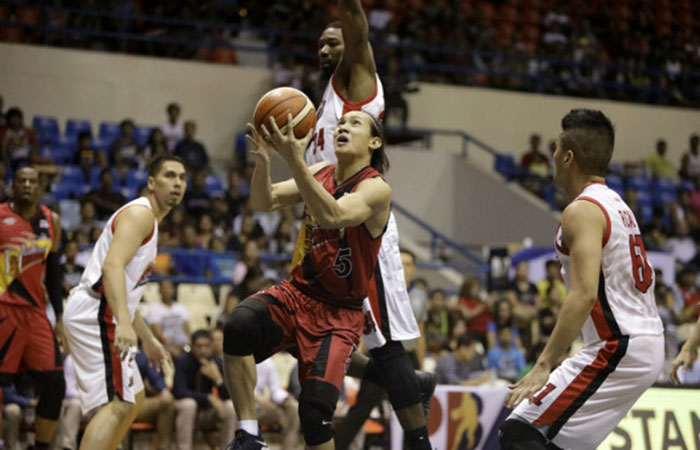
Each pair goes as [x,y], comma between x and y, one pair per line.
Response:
[316,407]
[51,398]
[517,435]
[242,334]
[396,374]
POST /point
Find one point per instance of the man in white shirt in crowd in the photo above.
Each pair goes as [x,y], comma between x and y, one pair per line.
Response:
[173,128]
[169,319]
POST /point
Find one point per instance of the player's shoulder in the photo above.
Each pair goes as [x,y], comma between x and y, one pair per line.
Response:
[134,217]
[377,184]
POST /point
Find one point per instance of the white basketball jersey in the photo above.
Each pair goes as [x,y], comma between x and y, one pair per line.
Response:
[625,305]
[332,107]
[136,272]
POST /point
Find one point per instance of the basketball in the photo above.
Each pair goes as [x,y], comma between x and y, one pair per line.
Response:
[280,102]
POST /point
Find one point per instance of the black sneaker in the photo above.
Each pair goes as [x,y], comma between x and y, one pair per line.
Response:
[246,441]
[426,385]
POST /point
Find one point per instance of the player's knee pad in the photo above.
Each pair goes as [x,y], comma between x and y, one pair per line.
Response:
[242,333]
[396,374]
[316,407]
[51,398]
[517,435]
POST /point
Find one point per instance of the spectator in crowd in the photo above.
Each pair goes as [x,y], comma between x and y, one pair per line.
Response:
[631,198]
[248,273]
[687,303]
[205,231]
[464,366]
[552,278]
[655,233]
[125,152]
[171,228]
[534,160]
[191,151]
[664,304]
[14,406]
[18,144]
[249,230]
[158,408]
[439,323]
[473,309]
[173,128]
[690,161]
[285,237]
[507,360]
[200,392]
[418,296]
[680,244]
[86,156]
[5,188]
[659,165]
[88,218]
[502,318]
[682,210]
[197,201]
[169,319]
[185,264]
[156,145]
[70,270]
[237,192]
[522,294]
[106,198]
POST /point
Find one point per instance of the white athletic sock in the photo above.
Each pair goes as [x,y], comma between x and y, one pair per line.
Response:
[249,426]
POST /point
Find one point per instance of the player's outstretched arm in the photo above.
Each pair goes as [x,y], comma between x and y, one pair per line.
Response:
[357,68]
[133,225]
[688,354]
[265,196]
[583,227]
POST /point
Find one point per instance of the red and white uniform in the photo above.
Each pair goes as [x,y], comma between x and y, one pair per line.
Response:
[623,352]
[89,323]
[388,313]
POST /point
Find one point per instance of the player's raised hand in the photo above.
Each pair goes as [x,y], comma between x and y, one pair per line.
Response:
[685,359]
[284,142]
[528,386]
[261,148]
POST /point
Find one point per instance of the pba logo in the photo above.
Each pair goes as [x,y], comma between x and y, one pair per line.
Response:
[464,431]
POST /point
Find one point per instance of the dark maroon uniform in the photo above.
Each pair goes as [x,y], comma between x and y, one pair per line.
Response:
[318,314]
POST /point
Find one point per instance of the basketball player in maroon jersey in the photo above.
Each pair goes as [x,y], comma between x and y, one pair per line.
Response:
[29,273]
[348,67]
[318,313]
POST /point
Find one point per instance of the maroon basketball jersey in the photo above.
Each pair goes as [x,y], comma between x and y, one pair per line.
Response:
[25,245]
[335,265]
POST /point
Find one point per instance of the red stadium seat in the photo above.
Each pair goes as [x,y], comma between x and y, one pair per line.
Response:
[30,16]
[11,34]
[224,55]
[5,13]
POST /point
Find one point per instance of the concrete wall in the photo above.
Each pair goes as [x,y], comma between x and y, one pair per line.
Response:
[506,119]
[102,86]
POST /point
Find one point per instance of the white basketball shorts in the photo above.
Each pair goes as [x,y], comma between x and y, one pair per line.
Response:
[89,327]
[591,392]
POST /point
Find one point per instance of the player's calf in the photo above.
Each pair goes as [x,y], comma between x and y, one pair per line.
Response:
[316,407]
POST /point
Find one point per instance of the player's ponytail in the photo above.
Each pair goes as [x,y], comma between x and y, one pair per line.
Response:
[379,161]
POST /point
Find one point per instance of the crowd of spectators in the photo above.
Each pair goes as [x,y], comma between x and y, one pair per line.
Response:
[635,50]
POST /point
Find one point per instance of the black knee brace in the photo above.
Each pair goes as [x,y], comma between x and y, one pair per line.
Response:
[249,329]
[316,407]
[391,368]
[517,435]
[53,390]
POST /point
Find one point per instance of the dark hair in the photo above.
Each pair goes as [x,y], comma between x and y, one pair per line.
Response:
[156,163]
[551,262]
[84,134]
[465,340]
[13,112]
[171,106]
[437,291]
[125,122]
[104,171]
[334,24]
[409,253]
[201,333]
[379,161]
[467,284]
[590,135]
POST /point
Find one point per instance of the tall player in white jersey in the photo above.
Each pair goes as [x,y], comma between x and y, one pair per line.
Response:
[347,63]
[610,301]
[101,319]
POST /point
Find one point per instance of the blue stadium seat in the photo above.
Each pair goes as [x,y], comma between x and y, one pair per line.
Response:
[615,168]
[75,126]
[109,131]
[638,182]
[615,183]
[686,185]
[135,178]
[213,186]
[64,189]
[645,206]
[506,166]
[663,191]
[61,152]
[142,133]
[46,128]
[95,179]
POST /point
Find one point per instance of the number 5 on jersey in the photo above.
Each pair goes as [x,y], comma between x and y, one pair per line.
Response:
[343,263]
[641,269]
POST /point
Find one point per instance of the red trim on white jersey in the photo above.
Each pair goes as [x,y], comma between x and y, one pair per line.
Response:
[606,237]
[354,106]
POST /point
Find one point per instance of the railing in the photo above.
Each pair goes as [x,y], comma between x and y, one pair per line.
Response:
[427,134]
[198,30]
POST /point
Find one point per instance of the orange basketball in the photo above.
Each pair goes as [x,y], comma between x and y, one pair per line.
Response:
[280,102]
